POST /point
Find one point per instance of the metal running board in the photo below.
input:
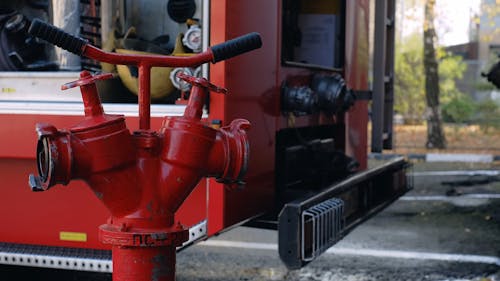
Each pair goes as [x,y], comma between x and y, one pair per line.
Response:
[56,257]
[307,227]
[74,258]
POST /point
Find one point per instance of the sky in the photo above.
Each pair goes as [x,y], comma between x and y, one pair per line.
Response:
[453,27]
[452,23]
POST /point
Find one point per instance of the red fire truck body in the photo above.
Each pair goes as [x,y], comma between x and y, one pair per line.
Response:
[69,216]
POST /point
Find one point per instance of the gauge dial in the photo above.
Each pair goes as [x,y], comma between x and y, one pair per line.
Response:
[192,38]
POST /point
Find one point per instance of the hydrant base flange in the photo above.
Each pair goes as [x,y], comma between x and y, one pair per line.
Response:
[110,234]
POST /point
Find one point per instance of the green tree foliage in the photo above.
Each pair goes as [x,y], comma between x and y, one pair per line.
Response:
[459,109]
[488,115]
[451,68]
[409,81]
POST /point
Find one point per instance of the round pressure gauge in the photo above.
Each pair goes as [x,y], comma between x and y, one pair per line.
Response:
[179,83]
[192,38]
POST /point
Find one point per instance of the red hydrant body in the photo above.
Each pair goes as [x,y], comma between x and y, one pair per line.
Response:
[144,177]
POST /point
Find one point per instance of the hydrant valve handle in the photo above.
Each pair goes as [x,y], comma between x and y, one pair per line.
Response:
[201,82]
[87,80]
[57,36]
[236,46]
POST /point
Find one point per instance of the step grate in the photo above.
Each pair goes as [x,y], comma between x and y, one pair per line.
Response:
[322,225]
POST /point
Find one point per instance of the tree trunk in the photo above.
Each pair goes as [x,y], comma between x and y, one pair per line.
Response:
[435,135]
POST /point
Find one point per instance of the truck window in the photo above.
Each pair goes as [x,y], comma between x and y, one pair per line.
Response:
[33,76]
[313,33]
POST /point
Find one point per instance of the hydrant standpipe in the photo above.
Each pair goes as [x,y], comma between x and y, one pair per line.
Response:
[142,177]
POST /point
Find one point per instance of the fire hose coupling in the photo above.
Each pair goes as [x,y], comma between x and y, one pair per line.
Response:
[229,157]
[327,93]
[62,155]
[226,149]
[54,158]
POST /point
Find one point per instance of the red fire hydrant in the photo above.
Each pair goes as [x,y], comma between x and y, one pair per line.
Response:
[144,177]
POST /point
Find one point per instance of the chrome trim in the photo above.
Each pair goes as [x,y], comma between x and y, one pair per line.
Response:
[56,257]
[73,258]
[76,108]
[40,74]
[196,232]
[205,29]
[74,263]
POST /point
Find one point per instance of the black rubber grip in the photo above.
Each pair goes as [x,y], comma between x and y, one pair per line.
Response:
[57,37]
[236,46]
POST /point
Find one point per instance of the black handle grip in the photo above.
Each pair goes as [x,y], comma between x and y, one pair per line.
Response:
[236,46]
[57,37]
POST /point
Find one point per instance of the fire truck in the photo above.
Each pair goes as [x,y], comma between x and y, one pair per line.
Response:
[256,114]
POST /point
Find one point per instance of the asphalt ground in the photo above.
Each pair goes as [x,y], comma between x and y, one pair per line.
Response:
[446,229]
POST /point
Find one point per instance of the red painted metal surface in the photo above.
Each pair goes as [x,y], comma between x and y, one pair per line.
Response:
[356,75]
[257,98]
[254,81]
[250,78]
[141,178]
